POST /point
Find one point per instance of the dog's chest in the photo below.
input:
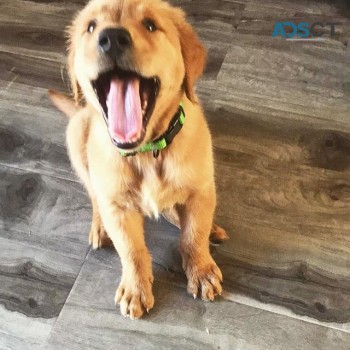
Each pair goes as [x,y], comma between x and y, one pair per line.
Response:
[136,183]
[150,201]
[156,193]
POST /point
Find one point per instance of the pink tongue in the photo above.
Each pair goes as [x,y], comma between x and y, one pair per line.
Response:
[124,110]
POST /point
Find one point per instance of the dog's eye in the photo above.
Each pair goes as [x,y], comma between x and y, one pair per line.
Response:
[91,26]
[149,25]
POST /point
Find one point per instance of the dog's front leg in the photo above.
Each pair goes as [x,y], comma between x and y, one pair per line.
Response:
[196,218]
[125,229]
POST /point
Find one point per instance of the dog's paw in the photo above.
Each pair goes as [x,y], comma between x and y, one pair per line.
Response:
[218,235]
[135,297]
[204,279]
[98,237]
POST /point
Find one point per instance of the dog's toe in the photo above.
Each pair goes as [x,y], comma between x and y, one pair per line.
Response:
[98,238]
[134,298]
[205,280]
[207,291]
[135,308]
[218,235]
[94,239]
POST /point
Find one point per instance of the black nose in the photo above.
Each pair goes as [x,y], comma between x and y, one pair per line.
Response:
[114,41]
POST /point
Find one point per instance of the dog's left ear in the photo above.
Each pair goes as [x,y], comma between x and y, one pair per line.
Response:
[193,53]
[76,90]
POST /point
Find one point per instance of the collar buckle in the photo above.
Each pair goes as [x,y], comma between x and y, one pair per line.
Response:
[156,153]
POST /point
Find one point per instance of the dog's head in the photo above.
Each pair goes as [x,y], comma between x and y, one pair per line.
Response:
[133,60]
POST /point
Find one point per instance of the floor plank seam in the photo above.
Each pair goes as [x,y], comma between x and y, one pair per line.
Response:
[70,292]
[59,59]
[38,236]
[284,312]
[43,173]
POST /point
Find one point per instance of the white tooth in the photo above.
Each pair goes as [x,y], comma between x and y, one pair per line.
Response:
[144,100]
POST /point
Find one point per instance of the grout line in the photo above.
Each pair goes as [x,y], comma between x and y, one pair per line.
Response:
[10,83]
[69,294]
[282,311]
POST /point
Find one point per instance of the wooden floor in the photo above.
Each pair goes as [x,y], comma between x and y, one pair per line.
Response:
[279,112]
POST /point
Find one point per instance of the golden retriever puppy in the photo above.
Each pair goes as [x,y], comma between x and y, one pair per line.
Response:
[138,139]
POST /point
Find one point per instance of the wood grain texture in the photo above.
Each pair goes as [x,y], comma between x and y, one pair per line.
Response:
[294,243]
[177,321]
[36,28]
[285,161]
[43,246]
[31,132]
[42,253]
[272,80]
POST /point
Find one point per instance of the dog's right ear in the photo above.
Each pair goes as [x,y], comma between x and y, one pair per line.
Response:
[76,90]
[193,53]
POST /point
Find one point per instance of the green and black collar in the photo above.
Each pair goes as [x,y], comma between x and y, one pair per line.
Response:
[164,140]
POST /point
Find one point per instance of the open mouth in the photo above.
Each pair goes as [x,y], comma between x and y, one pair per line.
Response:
[127,100]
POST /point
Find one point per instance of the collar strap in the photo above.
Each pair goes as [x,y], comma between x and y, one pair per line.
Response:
[164,140]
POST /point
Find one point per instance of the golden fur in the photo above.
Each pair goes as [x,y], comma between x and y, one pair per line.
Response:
[179,183]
